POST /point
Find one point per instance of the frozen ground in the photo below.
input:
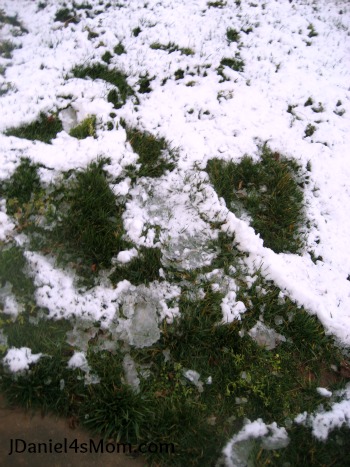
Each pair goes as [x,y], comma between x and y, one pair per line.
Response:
[204,117]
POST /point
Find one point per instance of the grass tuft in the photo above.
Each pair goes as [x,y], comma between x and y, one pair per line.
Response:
[115,77]
[6,49]
[151,153]
[269,192]
[85,129]
[232,35]
[309,130]
[22,184]
[234,63]
[119,49]
[44,129]
[172,47]
[106,57]
[91,226]
[141,270]
[218,4]
[65,15]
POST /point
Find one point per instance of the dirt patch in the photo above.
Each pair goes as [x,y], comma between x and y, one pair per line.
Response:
[55,435]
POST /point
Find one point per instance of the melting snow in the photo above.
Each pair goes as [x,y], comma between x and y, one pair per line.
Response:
[203,117]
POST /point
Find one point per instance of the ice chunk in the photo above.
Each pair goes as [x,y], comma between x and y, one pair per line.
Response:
[78,360]
[144,329]
[68,118]
[131,375]
[265,336]
[194,377]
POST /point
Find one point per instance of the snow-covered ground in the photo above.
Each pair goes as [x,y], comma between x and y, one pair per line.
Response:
[204,117]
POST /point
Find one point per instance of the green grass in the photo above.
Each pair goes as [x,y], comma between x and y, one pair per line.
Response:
[65,15]
[141,270]
[145,84]
[90,226]
[218,4]
[136,31]
[106,57]
[112,76]
[278,383]
[19,188]
[179,74]
[309,130]
[6,48]
[235,64]
[82,6]
[232,35]
[12,21]
[171,47]
[44,129]
[12,270]
[119,49]
[85,129]
[312,32]
[269,191]
[151,153]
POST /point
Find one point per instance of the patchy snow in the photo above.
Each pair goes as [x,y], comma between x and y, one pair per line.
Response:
[20,359]
[324,421]
[203,117]
[283,66]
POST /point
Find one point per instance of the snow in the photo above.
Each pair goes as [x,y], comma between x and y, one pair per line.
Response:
[206,119]
[324,421]
[126,256]
[236,452]
[324,392]
[20,359]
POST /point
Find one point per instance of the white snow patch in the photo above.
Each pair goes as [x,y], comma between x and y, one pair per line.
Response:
[20,359]
[324,421]
[126,256]
[324,392]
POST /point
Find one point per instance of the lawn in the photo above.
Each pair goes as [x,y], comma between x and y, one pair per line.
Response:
[174,198]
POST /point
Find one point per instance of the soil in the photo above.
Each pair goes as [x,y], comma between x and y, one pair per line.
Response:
[29,429]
